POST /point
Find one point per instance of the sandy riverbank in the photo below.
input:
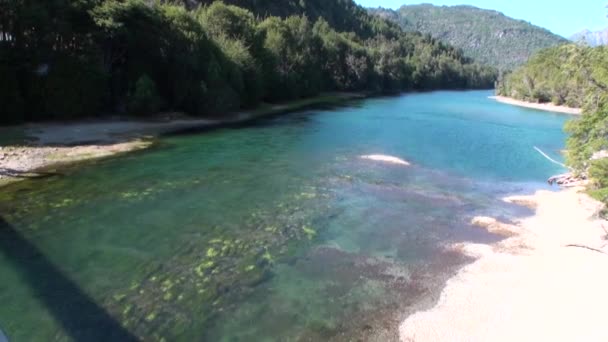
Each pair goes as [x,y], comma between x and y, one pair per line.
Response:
[546,281]
[540,106]
[55,144]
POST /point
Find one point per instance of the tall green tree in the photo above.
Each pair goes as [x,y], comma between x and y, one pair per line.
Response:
[75,58]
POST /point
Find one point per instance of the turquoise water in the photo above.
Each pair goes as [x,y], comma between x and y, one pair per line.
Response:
[273,232]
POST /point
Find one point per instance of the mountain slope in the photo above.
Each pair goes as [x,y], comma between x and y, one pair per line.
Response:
[557,75]
[68,59]
[591,38]
[487,36]
[342,15]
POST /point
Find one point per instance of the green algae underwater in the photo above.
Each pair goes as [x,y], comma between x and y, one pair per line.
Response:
[277,231]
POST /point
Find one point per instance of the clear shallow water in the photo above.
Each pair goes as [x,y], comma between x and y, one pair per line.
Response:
[274,232]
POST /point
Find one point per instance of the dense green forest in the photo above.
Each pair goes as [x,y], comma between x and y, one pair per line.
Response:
[554,75]
[487,36]
[62,59]
[588,140]
[577,76]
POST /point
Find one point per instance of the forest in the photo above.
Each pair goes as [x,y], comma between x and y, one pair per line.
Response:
[587,143]
[560,75]
[575,76]
[65,59]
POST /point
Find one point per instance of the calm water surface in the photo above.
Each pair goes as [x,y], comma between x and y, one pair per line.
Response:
[274,232]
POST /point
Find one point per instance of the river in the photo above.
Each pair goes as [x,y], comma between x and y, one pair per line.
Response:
[278,231]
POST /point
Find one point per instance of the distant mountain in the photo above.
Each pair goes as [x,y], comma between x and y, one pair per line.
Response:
[487,36]
[591,38]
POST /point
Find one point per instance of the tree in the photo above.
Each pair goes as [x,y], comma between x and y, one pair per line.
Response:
[292,58]
[74,58]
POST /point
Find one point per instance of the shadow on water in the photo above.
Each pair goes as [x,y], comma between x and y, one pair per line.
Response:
[300,115]
[26,174]
[81,318]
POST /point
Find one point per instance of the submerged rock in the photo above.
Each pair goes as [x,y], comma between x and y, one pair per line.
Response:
[386,159]
[493,225]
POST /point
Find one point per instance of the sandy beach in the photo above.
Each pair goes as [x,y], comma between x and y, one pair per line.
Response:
[51,145]
[545,282]
[540,106]
[55,144]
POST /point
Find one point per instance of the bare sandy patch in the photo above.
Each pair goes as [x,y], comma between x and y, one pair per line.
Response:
[524,201]
[546,282]
[494,226]
[540,106]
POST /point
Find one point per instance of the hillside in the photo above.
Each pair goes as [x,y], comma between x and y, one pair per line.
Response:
[591,38]
[551,75]
[342,15]
[487,36]
[68,59]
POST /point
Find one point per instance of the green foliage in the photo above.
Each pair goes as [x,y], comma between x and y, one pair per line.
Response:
[588,134]
[577,76]
[598,171]
[342,15]
[233,30]
[144,99]
[292,61]
[68,59]
[574,76]
[552,75]
[233,22]
[486,36]
[346,64]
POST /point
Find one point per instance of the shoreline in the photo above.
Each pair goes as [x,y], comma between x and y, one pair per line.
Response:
[55,145]
[540,106]
[544,281]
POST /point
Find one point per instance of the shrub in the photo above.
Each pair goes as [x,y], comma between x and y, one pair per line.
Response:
[144,99]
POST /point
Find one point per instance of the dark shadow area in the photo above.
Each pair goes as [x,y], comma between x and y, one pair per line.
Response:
[106,131]
[80,317]
[265,119]
[26,174]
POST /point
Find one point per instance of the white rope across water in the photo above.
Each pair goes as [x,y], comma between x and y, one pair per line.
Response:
[549,158]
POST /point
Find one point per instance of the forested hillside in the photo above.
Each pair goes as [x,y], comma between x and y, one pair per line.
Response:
[588,141]
[342,15]
[577,76]
[552,75]
[68,59]
[487,36]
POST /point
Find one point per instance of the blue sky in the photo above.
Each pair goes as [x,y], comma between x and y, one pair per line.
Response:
[564,17]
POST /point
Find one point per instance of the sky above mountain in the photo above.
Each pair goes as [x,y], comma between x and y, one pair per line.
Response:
[564,17]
